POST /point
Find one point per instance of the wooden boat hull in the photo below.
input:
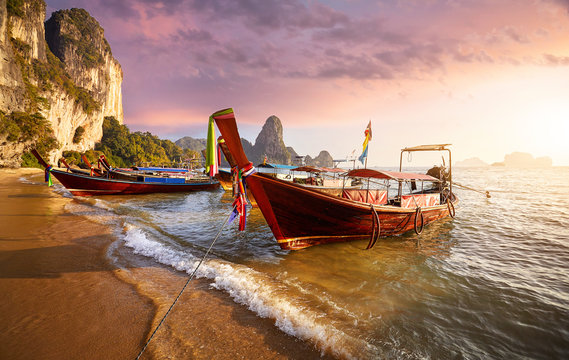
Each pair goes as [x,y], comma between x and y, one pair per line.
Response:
[301,217]
[225,180]
[85,185]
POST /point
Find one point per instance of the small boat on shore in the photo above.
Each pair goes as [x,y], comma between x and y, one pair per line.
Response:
[110,181]
[300,217]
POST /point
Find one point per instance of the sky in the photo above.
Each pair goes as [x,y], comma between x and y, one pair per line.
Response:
[490,77]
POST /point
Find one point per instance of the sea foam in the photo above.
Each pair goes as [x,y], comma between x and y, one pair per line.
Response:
[265,296]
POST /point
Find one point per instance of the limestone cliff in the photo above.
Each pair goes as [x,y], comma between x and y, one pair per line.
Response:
[71,80]
[188,142]
[471,162]
[27,26]
[324,159]
[270,143]
[526,160]
[78,41]
[12,88]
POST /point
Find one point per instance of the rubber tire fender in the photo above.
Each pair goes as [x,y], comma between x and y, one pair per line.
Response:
[418,213]
[451,209]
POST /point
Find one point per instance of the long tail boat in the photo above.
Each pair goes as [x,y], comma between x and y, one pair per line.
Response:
[107,183]
[300,217]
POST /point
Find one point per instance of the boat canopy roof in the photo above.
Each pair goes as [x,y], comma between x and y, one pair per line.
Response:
[276,166]
[315,169]
[390,175]
[434,147]
[158,169]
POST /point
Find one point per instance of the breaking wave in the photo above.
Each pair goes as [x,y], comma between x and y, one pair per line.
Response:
[265,296]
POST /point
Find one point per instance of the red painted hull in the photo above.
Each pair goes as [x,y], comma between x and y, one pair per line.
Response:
[84,185]
[225,179]
[301,217]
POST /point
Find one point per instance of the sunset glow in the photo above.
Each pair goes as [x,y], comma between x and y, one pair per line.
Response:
[490,77]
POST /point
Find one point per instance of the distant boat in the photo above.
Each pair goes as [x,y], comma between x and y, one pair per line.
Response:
[117,182]
[300,217]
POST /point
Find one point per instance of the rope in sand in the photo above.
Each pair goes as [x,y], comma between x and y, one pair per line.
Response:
[185,285]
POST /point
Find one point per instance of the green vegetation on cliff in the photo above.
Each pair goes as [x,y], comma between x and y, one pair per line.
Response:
[46,75]
[40,77]
[78,134]
[123,148]
[15,7]
[88,33]
[32,129]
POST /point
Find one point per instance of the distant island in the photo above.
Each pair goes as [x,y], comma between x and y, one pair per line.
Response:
[524,160]
[471,162]
[515,159]
[269,144]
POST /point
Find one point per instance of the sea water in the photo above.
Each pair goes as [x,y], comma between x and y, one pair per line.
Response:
[491,283]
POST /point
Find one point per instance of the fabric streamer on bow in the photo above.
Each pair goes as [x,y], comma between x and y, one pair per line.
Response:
[240,204]
[211,152]
[48,175]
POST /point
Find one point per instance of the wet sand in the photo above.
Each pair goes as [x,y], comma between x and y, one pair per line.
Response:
[62,298]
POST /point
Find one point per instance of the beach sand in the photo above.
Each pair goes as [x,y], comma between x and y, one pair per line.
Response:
[63,298]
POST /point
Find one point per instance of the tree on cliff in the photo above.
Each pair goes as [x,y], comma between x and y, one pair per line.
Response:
[25,131]
[124,148]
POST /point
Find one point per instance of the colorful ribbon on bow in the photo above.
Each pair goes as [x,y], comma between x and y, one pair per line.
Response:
[240,202]
[48,175]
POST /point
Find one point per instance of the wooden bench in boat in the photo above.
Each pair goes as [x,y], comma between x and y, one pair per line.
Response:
[372,196]
[420,200]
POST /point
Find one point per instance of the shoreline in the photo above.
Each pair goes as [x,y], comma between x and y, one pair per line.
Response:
[68,299]
[63,299]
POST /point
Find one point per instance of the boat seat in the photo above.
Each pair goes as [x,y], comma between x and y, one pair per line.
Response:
[421,200]
[373,196]
[332,182]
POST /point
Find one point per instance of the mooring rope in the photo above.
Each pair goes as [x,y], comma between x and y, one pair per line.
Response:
[483,192]
[185,285]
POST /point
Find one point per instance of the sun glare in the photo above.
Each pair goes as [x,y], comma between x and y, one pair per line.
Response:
[549,129]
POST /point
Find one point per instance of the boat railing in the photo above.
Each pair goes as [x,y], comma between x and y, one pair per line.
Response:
[401,193]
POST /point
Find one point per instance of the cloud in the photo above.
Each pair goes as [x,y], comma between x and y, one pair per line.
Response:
[565,3]
[515,35]
[553,60]
[361,31]
[194,36]
[480,56]
[314,39]
[429,55]
[263,16]
[506,34]
[353,67]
